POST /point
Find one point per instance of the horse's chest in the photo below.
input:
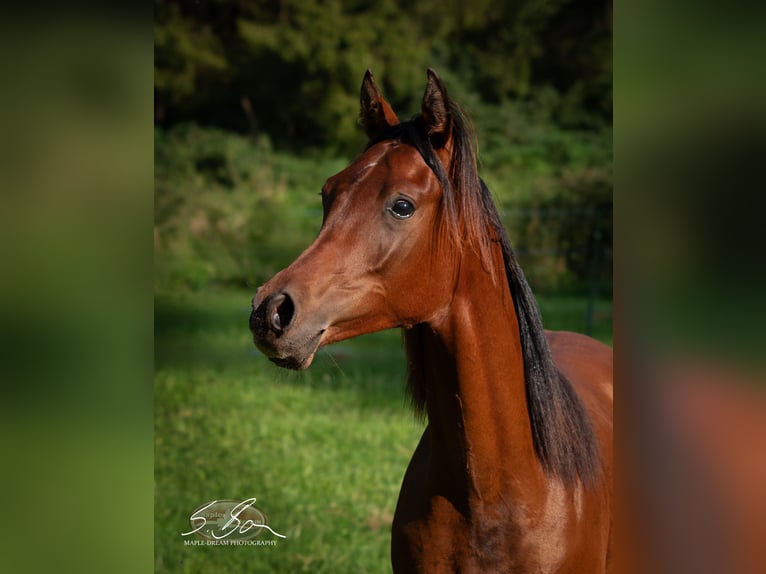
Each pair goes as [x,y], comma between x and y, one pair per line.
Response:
[443,540]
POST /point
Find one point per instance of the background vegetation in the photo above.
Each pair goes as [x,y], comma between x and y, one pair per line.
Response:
[256,104]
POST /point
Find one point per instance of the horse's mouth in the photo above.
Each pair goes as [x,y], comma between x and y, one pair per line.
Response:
[289,363]
[289,354]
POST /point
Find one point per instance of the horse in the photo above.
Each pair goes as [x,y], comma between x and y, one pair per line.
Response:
[513,472]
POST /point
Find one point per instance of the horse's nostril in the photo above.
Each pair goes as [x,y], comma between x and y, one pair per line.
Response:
[281,312]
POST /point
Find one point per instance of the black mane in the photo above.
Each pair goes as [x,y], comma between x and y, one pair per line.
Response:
[562,434]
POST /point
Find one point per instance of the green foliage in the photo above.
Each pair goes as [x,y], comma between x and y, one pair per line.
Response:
[534,75]
[187,55]
[554,191]
[292,69]
[231,210]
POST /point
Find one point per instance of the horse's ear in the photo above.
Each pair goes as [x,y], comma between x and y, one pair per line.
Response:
[435,110]
[375,112]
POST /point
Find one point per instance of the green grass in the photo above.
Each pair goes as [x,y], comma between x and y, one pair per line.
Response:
[324,450]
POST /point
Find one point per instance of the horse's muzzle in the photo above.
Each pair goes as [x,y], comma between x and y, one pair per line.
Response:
[271,321]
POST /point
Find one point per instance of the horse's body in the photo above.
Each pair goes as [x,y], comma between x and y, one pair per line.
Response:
[474,498]
[513,473]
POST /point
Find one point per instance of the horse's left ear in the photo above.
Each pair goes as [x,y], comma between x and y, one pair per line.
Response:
[435,110]
[375,112]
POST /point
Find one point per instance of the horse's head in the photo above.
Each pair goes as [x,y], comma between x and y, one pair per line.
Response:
[377,262]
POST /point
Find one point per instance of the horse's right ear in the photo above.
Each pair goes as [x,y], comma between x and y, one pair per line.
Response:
[375,112]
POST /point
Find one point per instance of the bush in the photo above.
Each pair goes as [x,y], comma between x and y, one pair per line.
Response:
[553,188]
[230,210]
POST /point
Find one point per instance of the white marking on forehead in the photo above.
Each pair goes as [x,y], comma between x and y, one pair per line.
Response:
[361,171]
[369,159]
[354,172]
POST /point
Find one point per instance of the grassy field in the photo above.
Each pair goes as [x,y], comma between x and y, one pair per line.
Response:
[323,451]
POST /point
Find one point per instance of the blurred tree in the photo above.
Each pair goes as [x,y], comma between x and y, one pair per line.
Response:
[535,75]
[292,68]
[188,58]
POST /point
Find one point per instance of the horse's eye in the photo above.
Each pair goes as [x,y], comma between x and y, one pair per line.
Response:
[402,209]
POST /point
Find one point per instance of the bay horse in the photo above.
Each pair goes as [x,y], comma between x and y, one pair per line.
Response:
[513,472]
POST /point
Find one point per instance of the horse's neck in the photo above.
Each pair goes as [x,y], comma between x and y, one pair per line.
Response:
[475,393]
